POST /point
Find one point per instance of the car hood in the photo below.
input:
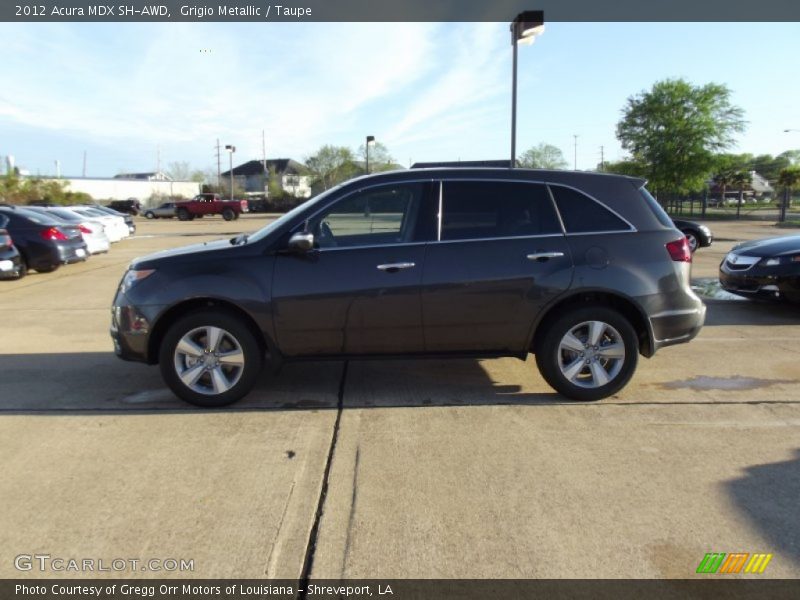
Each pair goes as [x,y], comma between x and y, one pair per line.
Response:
[185,252]
[779,246]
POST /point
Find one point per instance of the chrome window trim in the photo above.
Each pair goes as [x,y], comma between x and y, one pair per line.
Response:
[439,214]
[371,246]
[495,239]
[631,229]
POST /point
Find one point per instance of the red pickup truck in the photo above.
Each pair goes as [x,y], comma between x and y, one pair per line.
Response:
[210,204]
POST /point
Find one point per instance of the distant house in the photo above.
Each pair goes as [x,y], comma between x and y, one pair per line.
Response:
[253,175]
[154,176]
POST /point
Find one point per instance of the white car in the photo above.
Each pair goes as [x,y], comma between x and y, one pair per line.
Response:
[92,230]
[116,228]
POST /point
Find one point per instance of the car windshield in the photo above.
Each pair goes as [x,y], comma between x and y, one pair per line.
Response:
[280,221]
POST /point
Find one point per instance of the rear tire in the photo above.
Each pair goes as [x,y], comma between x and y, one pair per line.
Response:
[693,240]
[210,358]
[582,368]
[228,214]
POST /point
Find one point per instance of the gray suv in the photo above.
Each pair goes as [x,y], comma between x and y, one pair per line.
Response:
[584,270]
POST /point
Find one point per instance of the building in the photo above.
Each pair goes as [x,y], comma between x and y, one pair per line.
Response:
[502,164]
[118,188]
[155,176]
[289,174]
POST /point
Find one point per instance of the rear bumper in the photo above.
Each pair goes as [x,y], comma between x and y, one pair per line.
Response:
[677,326]
[72,253]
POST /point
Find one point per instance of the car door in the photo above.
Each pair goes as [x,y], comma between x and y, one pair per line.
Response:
[501,256]
[358,290]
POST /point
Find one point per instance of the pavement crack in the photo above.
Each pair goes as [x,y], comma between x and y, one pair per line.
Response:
[311,547]
[353,500]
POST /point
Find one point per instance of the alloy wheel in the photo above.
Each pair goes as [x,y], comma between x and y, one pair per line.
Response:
[591,354]
[209,360]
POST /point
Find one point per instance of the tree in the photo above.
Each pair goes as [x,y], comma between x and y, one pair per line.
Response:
[182,171]
[543,156]
[628,167]
[675,129]
[789,178]
[741,180]
[331,165]
[379,157]
[793,156]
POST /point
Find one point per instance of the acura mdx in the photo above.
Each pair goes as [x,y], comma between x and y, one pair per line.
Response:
[583,270]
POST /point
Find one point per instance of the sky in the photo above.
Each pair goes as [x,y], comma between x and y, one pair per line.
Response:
[132,94]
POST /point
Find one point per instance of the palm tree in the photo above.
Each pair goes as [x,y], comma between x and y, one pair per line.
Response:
[789,178]
[742,180]
[722,179]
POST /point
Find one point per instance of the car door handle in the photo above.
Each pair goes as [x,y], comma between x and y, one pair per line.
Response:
[542,256]
[394,267]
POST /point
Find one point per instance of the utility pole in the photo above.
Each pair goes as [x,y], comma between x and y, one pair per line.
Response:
[575,154]
[58,169]
[158,159]
[84,163]
[602,159]
[264,160]
[219,166]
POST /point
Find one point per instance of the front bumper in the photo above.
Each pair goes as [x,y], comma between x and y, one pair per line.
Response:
[761,282]
[130,329]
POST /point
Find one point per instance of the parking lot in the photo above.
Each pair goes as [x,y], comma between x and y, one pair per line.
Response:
[441,468]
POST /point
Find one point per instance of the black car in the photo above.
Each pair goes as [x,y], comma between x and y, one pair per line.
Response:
[131,206]
[11,265]
[583,269]
[44,242]
[699,235]
[767,268]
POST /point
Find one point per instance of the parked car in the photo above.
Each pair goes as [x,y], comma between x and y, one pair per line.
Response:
[165,210]
[92,230]
[583,269]
[115,227]
[11,264]
[699,235]
[768,268]
[130,206]
[129,221]
[43,242]
[210,204]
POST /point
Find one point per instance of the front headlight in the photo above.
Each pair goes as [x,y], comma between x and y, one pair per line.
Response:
[772,262]
[705,230]
[133,276]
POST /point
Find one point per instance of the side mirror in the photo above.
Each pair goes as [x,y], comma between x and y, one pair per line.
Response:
[301,242]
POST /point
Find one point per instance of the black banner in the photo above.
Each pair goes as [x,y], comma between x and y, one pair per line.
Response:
[397,10]
[709,588]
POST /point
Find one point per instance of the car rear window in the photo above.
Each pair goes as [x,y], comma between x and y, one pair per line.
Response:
[658,211]
[24,214]
[582,214]
[491,209]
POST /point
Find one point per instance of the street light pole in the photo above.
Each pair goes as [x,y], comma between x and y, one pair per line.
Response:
[231,150]
[575,152]
[524,29]
[370,142]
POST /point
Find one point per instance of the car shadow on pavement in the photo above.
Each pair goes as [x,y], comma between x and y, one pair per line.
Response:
[99,383]
[768,496]
[750,312]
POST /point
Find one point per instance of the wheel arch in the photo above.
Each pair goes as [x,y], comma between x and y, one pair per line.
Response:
[175,312]
[626,306]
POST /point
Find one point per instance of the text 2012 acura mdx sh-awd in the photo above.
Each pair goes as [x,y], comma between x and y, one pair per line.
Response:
[584,270]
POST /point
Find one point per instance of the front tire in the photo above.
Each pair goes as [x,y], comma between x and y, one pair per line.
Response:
[149,215]
[183,214]
[210,358]
[588,353]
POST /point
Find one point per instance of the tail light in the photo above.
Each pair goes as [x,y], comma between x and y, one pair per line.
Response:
[5,240]
[84,228]
[679,250]
[54,234]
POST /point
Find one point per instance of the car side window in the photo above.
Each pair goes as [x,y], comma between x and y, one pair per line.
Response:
[491,209]
[375,216]
[581,214]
